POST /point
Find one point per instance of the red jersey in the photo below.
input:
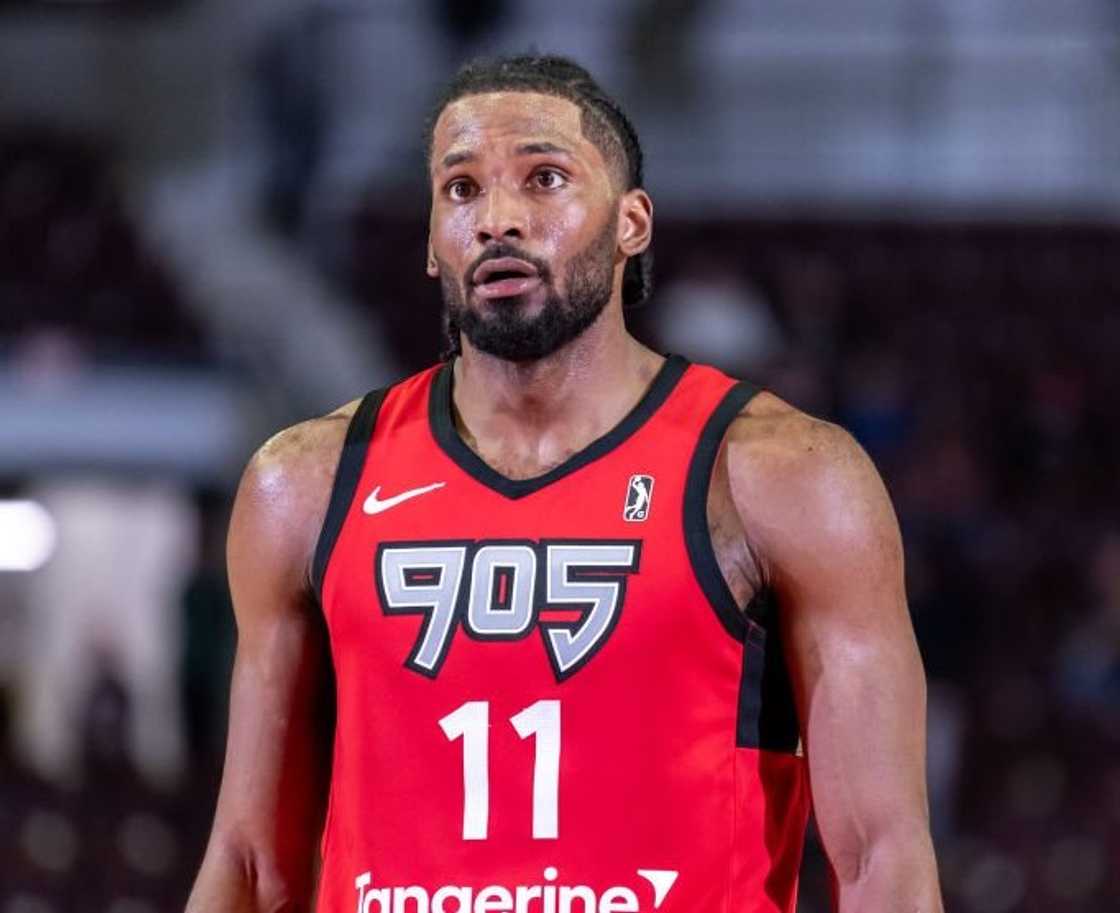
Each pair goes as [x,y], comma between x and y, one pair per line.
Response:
[547,699]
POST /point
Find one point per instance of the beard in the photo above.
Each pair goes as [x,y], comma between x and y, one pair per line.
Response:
[509,334]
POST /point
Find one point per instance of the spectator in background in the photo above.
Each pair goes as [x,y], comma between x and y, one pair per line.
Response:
[665,65]
[209,635]
[719,318]
[1089,667]
[292,112]
[464,24]
[107,603]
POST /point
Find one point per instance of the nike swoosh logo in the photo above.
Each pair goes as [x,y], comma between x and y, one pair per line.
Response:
[373,505]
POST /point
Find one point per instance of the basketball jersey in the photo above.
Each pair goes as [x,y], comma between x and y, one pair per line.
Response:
[547,698]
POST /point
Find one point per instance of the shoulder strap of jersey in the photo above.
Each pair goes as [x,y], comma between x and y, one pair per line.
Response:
[767,717]
[349,472]
[697,536]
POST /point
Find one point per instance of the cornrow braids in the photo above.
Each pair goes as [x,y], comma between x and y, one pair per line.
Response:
[601,118]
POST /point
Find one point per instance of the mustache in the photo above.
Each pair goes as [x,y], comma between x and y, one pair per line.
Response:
[505,249]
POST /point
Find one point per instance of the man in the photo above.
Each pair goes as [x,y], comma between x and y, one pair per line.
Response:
[562,625]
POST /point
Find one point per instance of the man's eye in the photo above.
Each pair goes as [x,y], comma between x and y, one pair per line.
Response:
[461,189]
[549,179]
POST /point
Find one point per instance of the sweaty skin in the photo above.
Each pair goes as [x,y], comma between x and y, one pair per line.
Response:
[794,506]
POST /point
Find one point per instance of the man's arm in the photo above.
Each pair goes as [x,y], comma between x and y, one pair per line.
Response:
[270,808]
[819,521]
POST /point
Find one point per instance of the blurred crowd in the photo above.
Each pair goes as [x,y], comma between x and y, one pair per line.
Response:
[974,361]
[76,275]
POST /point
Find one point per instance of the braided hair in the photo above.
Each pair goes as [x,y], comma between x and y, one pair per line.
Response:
[601,120]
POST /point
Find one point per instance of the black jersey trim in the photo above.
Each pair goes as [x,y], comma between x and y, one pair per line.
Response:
[767,717]
[351,461]
[446,435]
[697,536]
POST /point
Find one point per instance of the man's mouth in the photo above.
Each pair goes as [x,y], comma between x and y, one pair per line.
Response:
[505,277]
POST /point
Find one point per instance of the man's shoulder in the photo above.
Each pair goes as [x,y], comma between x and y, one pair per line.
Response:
[306,452]
[777,452]
[287,483]
[785,437]
[305,446]
[803,488]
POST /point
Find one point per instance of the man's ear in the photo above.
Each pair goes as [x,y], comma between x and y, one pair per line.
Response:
[635,222]
[433,264]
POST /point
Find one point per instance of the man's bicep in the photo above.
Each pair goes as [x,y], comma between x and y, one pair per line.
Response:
[861,699]
[274,783]
[270,809]
[831,549]
[280,729]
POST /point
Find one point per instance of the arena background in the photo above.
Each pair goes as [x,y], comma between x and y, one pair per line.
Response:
[904,216]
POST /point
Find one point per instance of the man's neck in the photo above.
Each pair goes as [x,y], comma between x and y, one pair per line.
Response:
[525,418]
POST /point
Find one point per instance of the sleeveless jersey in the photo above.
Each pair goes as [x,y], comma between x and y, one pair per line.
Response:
[547,699]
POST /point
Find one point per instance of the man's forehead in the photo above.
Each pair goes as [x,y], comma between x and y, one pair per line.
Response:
[514,114]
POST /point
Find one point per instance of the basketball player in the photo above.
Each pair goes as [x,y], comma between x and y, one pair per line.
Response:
[562,625]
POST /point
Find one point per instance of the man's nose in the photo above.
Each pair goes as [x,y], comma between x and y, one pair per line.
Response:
[502,217]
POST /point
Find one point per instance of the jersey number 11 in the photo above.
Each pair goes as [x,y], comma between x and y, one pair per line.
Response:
[471,723]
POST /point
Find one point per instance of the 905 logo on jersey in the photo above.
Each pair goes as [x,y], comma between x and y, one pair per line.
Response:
[498,589]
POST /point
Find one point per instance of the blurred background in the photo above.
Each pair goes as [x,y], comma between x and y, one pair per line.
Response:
[901,216]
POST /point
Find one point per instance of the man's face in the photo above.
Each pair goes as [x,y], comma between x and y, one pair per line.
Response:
[524,222]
